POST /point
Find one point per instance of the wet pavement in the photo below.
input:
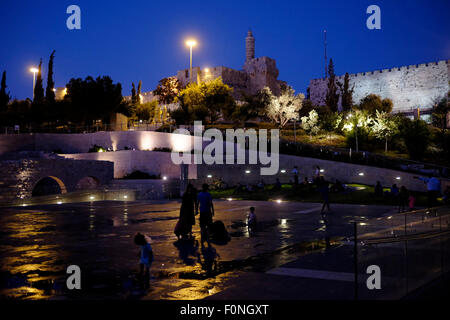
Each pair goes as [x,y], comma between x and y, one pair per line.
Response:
[38,244]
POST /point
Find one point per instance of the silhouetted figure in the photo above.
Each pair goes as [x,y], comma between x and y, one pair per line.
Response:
[277,184]
[295,173]
[402,199]
[251,221]
[378,189]
[146,259]
[206,209]
[411,202]
[433,189]
[323,189]
[189,206]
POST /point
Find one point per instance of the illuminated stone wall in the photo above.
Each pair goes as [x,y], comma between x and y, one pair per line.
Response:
[82,142]
[19,177]
[408,87]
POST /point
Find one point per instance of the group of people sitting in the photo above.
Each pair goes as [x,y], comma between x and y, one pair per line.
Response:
[401,196]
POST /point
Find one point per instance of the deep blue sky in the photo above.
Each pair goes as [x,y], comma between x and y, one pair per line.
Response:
[133,40]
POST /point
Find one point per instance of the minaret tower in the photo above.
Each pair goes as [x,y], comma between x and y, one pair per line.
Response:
[249,47]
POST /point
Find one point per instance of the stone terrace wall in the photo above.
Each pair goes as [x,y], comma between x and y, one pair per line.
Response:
[408,87]
[127,161]
[19,177]
[82,142]
[345,172]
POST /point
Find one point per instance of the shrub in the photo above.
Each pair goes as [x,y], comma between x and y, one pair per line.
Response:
[416,135]
[137,174]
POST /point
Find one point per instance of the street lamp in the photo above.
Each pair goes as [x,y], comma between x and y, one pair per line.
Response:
[34,70]
[190,43]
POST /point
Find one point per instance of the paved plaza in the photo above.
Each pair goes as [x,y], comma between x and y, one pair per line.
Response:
[38,243]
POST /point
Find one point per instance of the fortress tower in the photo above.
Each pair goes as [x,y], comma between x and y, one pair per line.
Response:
[249,46]
[255,75]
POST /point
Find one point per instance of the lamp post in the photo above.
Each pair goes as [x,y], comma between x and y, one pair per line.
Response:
[190,44]
[34,70]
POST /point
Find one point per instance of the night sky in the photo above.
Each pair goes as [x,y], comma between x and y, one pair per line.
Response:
[144,40]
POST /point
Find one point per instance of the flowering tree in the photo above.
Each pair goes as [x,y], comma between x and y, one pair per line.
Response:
[285,107]
[384,127]
[310,123]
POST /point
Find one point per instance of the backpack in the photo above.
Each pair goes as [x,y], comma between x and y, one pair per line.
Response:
[219,232]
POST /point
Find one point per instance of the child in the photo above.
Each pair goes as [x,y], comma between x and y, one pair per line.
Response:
[251,220]
[146,257]
[411,202]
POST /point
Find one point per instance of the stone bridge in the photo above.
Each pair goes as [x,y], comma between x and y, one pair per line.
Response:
[24,177]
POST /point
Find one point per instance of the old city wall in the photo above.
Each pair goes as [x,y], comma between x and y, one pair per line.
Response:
[408,87]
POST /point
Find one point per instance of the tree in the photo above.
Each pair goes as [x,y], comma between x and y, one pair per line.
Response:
[95,99]
[285,107]
[138,95]
[440,112]
[332,96]
[49,92]
[206,101]
[310,123]
[146,111]
[357,125]
[346,93]
[134,99]
[384,127]
[19,112]
[167,90]
[416,135]
[38,88]
[252,106]
[4,96]
[372,102]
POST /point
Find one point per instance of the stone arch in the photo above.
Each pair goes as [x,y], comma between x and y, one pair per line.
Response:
[48,185]
[87,183]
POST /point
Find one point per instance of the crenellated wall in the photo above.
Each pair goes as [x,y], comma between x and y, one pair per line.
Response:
[409,87]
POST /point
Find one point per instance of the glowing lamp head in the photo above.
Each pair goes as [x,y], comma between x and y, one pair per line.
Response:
[34,70]
[191,43]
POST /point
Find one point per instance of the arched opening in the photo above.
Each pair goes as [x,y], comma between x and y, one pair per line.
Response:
[47,186]
[88,183]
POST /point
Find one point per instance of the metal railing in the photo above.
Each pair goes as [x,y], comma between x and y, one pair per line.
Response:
[411,249]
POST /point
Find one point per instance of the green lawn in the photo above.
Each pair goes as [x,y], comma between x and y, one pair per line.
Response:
[362,195]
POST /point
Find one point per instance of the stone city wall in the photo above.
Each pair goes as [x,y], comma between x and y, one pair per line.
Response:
[409,87]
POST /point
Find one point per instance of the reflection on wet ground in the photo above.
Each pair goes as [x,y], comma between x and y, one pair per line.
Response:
[38,243]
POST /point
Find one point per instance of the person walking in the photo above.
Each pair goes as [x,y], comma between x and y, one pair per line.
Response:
[295,173]
[433,189]
[402,199]
[324,190]
[206,212]
[188,209]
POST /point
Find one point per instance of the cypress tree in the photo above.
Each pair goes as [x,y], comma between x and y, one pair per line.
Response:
[346,93]
[4,97]
[138,96]
[38,88]
[49,93]
[133,94]
[332,97]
